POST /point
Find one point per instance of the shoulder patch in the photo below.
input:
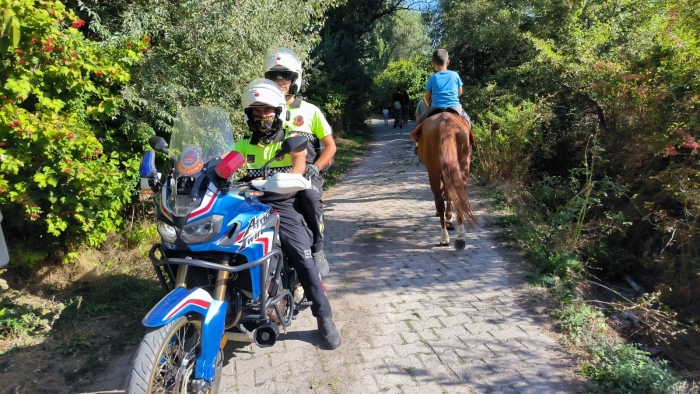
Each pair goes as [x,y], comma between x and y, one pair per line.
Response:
[299,121]
[250,159]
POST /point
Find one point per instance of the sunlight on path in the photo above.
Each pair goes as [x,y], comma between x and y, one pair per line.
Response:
[415,318]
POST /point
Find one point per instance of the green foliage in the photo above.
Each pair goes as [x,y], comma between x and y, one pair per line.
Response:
[507,134]
[580,322]
[19,320]
[206,52]
[619,368]
[411,75]
[615,367]
[403,36]
[349,56]
[60,92]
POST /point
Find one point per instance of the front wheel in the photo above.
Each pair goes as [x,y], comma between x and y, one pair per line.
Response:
[165,360]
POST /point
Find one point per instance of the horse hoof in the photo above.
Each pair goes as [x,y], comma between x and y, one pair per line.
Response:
[450,226]
[460,244]
[444,244]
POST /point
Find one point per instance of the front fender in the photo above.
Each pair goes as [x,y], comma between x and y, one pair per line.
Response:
[183,301]
[178,302]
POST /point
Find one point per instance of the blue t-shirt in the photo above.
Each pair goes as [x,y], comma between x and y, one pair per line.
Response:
[444,88]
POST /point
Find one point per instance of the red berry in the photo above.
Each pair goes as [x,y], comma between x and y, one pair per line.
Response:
[19,51]
[148,39]
[78,24]
[129,44]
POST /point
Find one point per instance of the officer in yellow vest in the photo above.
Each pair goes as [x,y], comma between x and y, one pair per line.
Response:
[265,108]
[284,68]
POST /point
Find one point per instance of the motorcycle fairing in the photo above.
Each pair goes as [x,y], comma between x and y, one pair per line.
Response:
[178,302]
[256,250]
[212,332]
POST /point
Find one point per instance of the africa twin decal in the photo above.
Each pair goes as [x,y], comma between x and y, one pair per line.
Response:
[255,227]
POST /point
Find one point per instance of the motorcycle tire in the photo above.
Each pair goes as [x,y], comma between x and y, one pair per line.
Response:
[157,366]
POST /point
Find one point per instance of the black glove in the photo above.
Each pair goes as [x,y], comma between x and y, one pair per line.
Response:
[311,171]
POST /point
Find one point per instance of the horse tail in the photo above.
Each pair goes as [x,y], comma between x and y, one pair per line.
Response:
[455,172]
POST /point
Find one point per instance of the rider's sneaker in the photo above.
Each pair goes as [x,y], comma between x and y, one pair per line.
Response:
[329,334]
[298,294]
[321,263]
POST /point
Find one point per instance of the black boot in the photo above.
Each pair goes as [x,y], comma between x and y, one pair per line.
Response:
[329,334]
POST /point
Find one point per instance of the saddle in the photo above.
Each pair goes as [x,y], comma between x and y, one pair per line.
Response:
[416,133]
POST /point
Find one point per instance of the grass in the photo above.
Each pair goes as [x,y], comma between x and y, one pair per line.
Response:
[612,365]
[350,148]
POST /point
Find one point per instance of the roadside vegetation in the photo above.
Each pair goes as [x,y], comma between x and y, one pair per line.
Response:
[585,115]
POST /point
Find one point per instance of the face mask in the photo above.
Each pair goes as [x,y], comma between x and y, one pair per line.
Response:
[263,125]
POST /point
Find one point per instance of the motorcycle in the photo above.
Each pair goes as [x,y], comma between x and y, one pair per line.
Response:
[220,257]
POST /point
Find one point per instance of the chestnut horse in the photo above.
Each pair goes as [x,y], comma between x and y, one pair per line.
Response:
[444,146]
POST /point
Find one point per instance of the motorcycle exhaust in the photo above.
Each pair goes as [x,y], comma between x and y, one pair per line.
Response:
[266,335]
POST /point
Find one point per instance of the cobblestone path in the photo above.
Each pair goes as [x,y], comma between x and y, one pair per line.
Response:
[415,317]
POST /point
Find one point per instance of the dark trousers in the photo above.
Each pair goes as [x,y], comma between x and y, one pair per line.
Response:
[397,117]
[309,203]
[296,241]
[404,113]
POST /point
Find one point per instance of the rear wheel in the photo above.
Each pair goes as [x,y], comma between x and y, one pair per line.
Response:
[165,360]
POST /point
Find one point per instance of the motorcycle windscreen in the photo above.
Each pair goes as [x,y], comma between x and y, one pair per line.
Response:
[199,135]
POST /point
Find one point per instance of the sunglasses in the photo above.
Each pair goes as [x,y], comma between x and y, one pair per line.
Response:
[286,75]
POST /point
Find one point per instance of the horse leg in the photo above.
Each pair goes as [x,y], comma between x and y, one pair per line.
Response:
[449,224]
[460,243]
[435,184]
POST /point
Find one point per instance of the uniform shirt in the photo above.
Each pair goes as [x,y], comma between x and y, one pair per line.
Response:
[444,89]
[257,155]
[307,120]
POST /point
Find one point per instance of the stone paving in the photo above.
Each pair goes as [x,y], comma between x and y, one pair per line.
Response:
[415,317]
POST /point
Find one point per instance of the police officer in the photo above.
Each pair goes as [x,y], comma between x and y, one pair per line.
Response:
[284,68]
[265,108]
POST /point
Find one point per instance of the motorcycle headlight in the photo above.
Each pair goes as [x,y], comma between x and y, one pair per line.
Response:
[167,232]
[202,231]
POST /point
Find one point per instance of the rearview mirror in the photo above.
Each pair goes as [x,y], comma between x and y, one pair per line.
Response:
[158,144]
[292,144]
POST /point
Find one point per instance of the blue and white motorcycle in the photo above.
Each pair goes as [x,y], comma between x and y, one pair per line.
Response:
[220,259]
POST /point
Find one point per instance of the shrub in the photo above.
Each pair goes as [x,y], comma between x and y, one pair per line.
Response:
[56,177]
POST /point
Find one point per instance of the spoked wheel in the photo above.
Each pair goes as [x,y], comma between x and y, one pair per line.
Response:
[165,360]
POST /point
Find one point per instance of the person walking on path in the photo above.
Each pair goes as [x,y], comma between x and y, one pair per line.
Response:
[397,99]
[405,106]
[385,113]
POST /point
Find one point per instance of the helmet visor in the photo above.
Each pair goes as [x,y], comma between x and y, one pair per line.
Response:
[285,75]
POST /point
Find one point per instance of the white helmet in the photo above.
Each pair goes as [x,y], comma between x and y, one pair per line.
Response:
[284,60]
[264,93]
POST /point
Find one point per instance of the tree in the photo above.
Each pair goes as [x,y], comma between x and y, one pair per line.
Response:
[58,185]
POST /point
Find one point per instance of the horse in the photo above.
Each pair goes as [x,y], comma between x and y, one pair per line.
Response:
[444,146]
